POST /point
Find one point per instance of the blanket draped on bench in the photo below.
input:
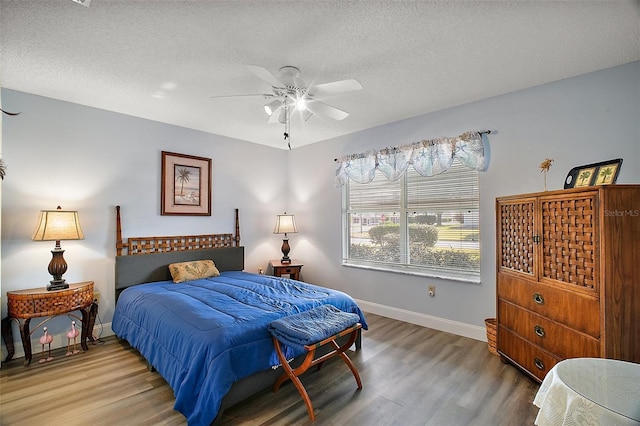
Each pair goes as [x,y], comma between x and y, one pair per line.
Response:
[309,327]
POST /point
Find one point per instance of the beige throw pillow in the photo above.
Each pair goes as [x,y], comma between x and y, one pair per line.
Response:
[187,271]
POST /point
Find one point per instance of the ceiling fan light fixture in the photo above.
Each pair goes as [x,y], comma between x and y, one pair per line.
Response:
[301,104]
[290,94]
[272,106]
[283,116]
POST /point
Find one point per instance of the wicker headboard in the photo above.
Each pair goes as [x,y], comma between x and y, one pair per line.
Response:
[146,245]
[147,258]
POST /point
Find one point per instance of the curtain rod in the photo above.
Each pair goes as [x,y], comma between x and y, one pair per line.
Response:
[483,132]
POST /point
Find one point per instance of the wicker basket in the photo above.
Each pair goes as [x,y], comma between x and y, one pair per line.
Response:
[490,324]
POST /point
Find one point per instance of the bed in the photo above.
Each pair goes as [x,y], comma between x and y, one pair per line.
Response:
[207,337]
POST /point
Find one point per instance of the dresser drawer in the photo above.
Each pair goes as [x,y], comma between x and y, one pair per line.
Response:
[30,304]
[527,356]
[553,337]
[577,311]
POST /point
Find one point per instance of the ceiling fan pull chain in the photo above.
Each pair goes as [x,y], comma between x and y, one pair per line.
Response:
[287,127]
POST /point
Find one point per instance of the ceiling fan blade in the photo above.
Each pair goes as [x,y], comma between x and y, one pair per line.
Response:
[319,108]
[334,88]
[85,3]
[253,95]
[306,114]
[266,75]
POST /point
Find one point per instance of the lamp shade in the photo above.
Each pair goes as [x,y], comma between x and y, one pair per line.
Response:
[285,224]
[57,225]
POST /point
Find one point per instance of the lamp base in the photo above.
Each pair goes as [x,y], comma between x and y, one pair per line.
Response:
[57,285]
[285,250]
[57,268]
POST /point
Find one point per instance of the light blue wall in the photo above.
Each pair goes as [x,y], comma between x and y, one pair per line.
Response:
[581,120]
[90,160]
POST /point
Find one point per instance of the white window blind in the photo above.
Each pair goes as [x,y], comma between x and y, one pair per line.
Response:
[416,224]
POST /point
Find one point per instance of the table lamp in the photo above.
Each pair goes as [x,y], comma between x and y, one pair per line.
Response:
[285,224]
[57,225]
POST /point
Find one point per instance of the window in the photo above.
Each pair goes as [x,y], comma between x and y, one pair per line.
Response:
[421,225]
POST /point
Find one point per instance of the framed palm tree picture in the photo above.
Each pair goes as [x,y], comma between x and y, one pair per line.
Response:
[186,185]
[585,177]
[603,173]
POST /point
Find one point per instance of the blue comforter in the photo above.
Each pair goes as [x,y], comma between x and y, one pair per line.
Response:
[204,335]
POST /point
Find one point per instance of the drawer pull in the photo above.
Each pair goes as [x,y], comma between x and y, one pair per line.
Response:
[539,330]
[537,297]
[538,363]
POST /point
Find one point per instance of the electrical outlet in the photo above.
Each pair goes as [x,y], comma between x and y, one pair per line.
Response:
[432,290]
[96,297]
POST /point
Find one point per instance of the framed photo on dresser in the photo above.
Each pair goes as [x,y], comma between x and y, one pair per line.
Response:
[603,173]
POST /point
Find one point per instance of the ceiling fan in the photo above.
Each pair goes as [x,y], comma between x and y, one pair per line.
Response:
[290,93]
[85,3]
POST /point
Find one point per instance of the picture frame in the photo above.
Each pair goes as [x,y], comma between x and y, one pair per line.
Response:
[602,173]
[186,185]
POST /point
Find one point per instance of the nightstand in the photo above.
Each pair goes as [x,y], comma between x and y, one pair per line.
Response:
[38,302]
[292,269]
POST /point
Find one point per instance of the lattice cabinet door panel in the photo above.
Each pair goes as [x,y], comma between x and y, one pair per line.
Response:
[569,239]
[517,235]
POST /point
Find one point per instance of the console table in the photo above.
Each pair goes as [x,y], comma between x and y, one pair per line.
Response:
[38,302]
[590,391]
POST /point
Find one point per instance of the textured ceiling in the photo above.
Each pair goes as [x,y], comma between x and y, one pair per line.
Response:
[163,60]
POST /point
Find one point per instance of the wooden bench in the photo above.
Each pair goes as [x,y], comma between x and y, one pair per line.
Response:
[310,360]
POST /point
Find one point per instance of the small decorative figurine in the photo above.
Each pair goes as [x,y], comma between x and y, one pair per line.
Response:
[46,339]
[72,334]
[544,168]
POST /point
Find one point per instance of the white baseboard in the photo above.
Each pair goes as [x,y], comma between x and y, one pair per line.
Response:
[442,324]
[103,330]
[59,341]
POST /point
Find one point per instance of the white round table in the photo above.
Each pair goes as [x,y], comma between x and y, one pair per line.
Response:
[590,391]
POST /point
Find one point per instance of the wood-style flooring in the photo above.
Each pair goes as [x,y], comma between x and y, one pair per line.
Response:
[411,376]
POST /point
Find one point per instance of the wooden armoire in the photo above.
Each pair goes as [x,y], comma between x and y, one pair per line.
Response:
[568,276]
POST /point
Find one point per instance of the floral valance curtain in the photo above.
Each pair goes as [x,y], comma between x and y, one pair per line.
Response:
[427,157]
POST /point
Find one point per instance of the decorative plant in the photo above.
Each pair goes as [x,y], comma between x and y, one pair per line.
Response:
[544,168]
[3,167]
[9,113]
